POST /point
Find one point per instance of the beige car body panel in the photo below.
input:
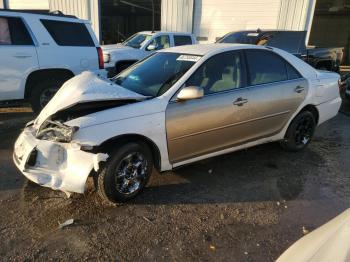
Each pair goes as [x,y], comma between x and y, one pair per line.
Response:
[214,122]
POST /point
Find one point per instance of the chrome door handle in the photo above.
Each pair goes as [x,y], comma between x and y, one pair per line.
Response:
[299,89]
[240,101]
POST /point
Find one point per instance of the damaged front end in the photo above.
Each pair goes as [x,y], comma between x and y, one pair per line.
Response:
[46,152]
[56,131]
[52,163]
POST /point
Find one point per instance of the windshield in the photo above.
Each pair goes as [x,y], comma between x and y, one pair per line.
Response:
[239,38]
[136,40]
[156,74]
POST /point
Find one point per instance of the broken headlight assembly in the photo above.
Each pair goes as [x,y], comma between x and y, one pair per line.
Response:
[56,131]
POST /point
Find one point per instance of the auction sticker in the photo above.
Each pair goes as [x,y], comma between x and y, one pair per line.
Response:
[191,58]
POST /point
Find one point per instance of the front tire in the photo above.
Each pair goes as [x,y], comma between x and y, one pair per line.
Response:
[299,132]
[126,173]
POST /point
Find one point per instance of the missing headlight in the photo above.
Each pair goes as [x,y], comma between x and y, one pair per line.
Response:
[56,131]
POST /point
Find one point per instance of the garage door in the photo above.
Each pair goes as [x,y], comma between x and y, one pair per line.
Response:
[214,18]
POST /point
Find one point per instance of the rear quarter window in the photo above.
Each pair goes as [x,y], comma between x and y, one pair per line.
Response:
[182,40]
[68,33]
[292,72]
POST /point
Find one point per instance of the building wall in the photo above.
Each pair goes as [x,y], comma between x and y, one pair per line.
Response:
[1,4]
[296,15]
[215,18]
[28,4]
[210,19]
[176,15]
[84,9]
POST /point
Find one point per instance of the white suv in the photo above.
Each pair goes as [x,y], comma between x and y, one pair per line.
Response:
[140,45]
[39,52]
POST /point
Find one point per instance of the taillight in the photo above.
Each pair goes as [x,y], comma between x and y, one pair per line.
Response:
[100,58]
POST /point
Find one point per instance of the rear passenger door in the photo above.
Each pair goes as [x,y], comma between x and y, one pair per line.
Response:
[67,44]
[17,57]
[276,89]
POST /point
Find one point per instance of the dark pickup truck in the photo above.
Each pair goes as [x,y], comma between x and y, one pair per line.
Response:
[291,41]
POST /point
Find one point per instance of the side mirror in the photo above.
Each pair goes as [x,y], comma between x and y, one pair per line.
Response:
[190,92]
[151,47]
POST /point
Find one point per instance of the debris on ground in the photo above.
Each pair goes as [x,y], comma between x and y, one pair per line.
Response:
[147,219]
[212,247]
[305,231]
[66,223]
[245,253]
[210,171]
[278,203]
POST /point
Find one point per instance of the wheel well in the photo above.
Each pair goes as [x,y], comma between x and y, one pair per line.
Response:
[45,73]
[109,145]
[324,64]
[313,110]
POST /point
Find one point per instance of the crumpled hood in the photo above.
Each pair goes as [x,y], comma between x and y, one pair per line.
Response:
[86,87]
[115,47]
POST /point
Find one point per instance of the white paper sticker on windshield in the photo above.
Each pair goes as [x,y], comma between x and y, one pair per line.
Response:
[252,34]
[191,58]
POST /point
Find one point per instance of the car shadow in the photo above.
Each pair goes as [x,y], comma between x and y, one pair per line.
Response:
[263,173]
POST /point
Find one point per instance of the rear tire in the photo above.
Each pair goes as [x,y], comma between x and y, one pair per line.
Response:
[43,91]
[299,132]
[126,173]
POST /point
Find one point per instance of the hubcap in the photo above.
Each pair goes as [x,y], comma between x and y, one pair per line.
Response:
[46,96]
[130,173]
[304,131]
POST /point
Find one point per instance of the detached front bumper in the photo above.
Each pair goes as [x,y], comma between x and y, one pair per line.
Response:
[60,166]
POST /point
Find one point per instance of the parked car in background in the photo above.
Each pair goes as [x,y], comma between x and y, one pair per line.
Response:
[329,242]
[175,107]
[345,84]
[39,52]
[120,56]
[291,41]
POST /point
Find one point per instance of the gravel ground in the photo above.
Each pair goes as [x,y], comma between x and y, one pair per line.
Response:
[246,206]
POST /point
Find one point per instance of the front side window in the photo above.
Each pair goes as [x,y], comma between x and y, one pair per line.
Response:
[136,40]
[68,33]
[182,40]
[219,73]
[265,67]
[158,43]
[156,74]
[14,32]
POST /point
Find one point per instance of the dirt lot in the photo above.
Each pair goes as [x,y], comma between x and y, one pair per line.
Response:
[245,206]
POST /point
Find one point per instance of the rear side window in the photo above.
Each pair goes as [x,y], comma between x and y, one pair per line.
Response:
[182,40]
[292,72]
[265,67]
[68,33]
[14,32]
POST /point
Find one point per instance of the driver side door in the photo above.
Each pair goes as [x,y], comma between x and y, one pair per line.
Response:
[216,121]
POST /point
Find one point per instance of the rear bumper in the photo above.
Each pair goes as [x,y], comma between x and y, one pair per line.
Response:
[60,166]
[328,109]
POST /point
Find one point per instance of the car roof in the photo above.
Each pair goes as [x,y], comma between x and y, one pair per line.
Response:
[42,14]
[204,49]
[163,32]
